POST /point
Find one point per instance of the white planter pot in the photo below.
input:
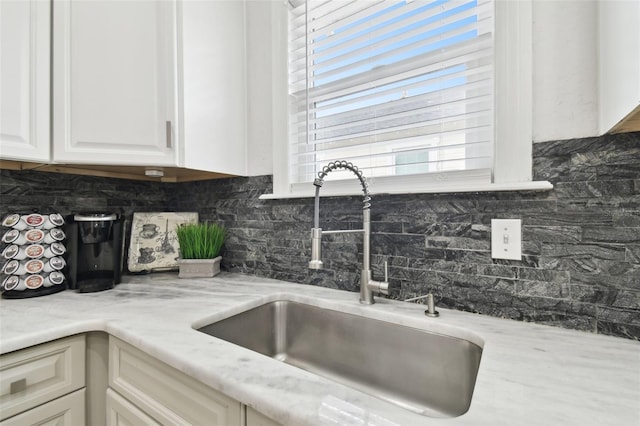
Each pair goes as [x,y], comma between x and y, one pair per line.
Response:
[199,268]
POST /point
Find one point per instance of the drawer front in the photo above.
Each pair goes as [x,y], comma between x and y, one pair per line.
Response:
[121,412]
[33,376]
[65,411]
[166,394]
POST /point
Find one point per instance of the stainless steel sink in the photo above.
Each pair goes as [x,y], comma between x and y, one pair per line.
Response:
[429,373]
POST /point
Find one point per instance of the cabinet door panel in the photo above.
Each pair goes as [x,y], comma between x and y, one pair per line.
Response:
[35,375]
[65,411]
[113,81]
[24,80]
[214,85]
[121,412]
[166,394]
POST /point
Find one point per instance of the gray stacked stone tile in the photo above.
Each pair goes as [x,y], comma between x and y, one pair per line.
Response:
[581,241]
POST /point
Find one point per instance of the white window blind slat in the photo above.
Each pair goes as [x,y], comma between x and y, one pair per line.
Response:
[479,60]
[395,87]
[372,20]
[339,45]
[410,137]
[424,90]
[412,42]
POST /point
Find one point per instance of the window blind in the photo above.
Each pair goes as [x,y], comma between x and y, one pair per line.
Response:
[396,87]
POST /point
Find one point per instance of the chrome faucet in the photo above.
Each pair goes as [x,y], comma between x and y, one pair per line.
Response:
[368,287]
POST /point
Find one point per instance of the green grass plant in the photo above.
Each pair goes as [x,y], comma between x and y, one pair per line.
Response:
[200,240]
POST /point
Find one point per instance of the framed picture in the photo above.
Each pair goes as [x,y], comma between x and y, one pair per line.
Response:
[154,244]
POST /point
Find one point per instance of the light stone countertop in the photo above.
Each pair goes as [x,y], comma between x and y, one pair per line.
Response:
[529,374]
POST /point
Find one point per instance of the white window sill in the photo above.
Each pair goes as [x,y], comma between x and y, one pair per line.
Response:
[542,185]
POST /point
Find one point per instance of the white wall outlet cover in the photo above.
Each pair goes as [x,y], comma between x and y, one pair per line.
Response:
[506,239]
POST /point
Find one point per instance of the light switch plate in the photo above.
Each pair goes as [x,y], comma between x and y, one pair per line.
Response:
[506,239]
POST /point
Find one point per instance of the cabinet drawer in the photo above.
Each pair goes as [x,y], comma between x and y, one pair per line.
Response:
[166,394]
[65,411]
[121,412]
[36,375]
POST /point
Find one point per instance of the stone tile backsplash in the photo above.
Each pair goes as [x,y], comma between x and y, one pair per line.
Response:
[581,241]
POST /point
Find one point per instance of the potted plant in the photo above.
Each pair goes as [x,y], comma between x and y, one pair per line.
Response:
[200,245]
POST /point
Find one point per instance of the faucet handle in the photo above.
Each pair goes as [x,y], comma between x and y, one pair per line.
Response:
[386,272]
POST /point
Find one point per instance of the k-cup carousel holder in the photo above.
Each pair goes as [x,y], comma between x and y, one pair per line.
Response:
[32,261]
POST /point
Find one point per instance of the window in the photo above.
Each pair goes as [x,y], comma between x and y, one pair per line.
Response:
[396,87]
[423,95]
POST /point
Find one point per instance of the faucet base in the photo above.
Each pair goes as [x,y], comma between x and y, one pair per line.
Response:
[369,287]
[315,264]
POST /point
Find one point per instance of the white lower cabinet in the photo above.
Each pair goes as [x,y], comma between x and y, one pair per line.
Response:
[165,394]
[121,412]
[65,411]
[145,391]
[44,384]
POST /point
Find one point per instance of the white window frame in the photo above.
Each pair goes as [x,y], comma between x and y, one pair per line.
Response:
[512,170]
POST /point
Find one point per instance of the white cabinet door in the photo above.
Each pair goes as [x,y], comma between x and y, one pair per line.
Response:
[121,412]
[166,394]
[619,64]
[24,80]
[113,82]
[64,411]
[213,85]
[36,375]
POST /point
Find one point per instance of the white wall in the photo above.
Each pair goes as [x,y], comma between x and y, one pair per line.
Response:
[565,74]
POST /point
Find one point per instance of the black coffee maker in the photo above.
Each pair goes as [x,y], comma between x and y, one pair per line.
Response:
[94,247]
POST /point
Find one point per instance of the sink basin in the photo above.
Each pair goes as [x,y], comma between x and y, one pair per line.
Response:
[428,373]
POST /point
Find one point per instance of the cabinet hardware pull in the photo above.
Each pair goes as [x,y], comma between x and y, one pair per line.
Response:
[18,386]
[169,140]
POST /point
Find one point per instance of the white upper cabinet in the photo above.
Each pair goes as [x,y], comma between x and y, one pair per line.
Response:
[619,65]
[150,83]
[113,82]
[212,85]
[24,80]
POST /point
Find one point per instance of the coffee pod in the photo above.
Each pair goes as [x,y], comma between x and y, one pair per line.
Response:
[54,278]
[54,220]
[34,220]
[33,251]
[10,252]
[33,266]
[54,264]
[14,221]
[12,282]
[33,282]
[12,236]
[11,267]
[55,249]
[54,235]
[34,236]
